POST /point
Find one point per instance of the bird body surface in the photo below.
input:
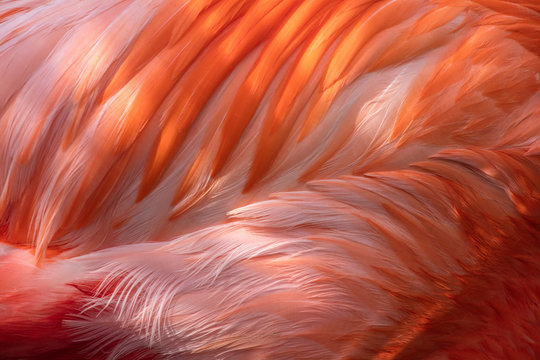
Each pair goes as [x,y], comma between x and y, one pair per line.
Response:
[270,179]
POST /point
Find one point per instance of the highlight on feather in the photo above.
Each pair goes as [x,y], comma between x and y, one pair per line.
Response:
[269,179]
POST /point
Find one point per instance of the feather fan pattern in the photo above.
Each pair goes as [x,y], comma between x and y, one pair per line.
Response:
[251,179]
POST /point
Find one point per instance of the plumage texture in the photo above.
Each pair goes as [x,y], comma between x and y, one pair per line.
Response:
[325,179]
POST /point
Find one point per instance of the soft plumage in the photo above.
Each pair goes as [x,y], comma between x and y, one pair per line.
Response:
[270,179]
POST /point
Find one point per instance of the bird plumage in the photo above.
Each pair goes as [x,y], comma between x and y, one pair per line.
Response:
[270,179]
